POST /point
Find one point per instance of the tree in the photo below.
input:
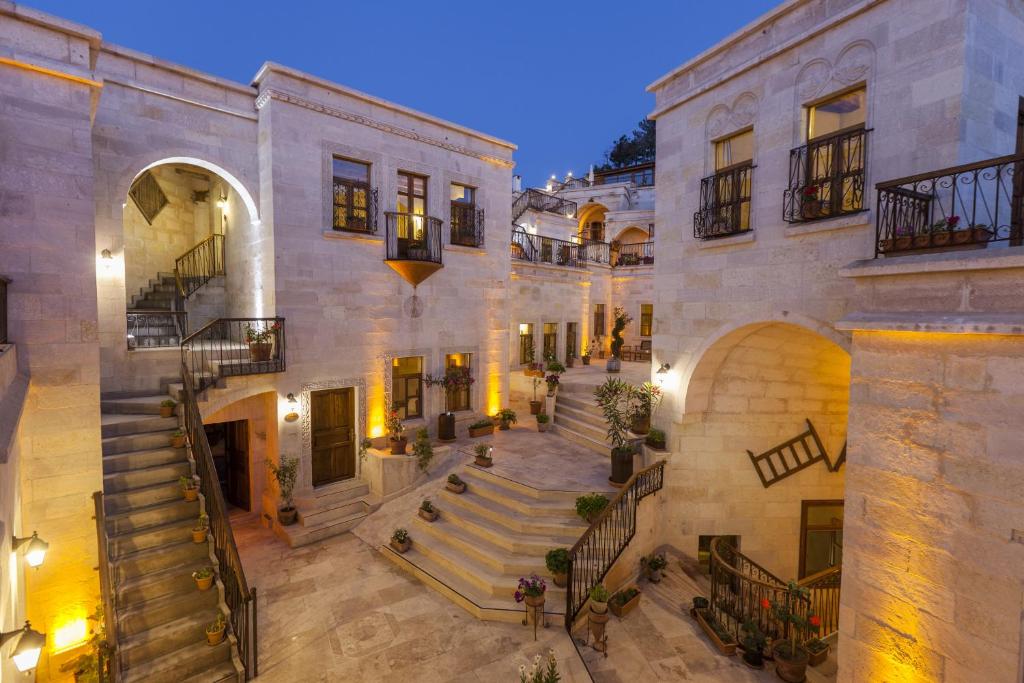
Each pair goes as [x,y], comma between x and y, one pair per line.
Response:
[636,148]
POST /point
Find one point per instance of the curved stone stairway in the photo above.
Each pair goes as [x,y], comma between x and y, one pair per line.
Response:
[579,419]
[160,615]
[486,538]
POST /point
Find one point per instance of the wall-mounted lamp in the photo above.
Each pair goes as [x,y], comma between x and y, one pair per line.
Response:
[662,373]
[222,203]
[35,552]
[291,416]
[28,643]
[106,255]
[292,399]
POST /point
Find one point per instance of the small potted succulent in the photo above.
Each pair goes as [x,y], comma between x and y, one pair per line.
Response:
[427,510]
[535,404]
[590,505]
[286,475]
[189,488]
[598,617]
[396,433]
[167,407]
[201,529]
[655,439]
[506,418]
[400,540]
[215,630]
[753,641]
[455,484]
[653,566]
[557,562]
[481,428]
[484,455]
[543,422]
[599,599]
[624,601]
[177,439]
[203,578]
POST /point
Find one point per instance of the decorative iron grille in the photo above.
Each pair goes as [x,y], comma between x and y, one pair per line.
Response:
[724,203]
[148,196]
[826,177]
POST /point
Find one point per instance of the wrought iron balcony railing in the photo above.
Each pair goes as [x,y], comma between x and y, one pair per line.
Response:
[826,177]
[523,247]
[199,265]
[155,328]
[355,207]
[550,250]
[641,175]
[595,251]
[3,309]
[962,207]
[231,347]
[541,201]
[467,226]
[637,254]
[724,203]
[412,237]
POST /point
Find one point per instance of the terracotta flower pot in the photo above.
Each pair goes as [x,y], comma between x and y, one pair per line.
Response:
[215,637]
[535,407]
[481,431]
[598,622]
[429,516]
[398,445]
[622,610]
[504,425]
[259,352]
[586,360]
[204,583]
[641,424]
[166,411]
[922,241]
[654,575]
[199,535]
[598,607]
[178,441]
[942,238]
[818,657]
[456,488]
[789,668]
[534,600]
[401,547]
[483,462]
[963,236]
[543,426]
[560,579]
[287,516]
[190,494]
[981,235]
[903,243]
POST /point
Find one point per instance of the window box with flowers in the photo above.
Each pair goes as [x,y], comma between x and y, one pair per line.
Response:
[261,341]
[811,207]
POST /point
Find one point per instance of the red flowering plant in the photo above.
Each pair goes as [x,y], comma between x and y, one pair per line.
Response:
[255,335]
[810,192]
[532,587]
[453,379]
[793,611]
[947,224]
[393,423]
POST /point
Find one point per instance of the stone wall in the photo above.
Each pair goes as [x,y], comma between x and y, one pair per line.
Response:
[12,589]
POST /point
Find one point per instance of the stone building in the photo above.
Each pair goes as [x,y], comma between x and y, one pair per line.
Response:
[856,224]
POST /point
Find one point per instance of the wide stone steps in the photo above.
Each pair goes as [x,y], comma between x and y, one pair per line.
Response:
[125,501]
[137,442]
[174,666]
[132,460]
[118,482]
[299,535]
[172,580]
[141,617]
[138,405]
[445,532]
[583,440]
[575,410]
[595,434]
[520,503]
[127,424]
[581,403]
[152,537]
[498,535]
[167,638]
[140,518]
[504,516]
[183,554]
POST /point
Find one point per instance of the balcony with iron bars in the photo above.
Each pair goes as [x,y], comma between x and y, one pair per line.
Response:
[413,245]
[355,207]
[635,254]
[467,226]
[724,203]
[970,206]
[826,177]
[547,250]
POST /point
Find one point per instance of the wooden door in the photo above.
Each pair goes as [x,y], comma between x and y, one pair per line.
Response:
[236,451]
[332,413]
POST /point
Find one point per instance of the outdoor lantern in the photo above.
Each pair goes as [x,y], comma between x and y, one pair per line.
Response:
[291,415]
[35,553]
[106,255]
[28,643]
[291,398]
[662,372]
[222,203]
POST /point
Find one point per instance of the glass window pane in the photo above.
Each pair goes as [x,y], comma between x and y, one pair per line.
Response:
[836,114]
[411,365]
[419,186]
[824,515]
[735,149]
[351,170]
[461,193]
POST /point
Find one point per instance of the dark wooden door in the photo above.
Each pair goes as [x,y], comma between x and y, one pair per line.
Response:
[236,450]
[332,415]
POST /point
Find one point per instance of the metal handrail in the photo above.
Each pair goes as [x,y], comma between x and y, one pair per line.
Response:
[635,254]
[541,201]
[604,540]
[724,203]
[109,665]
[3,309]
[143,318]
[827,177]
[231,347]
[825,588]
[412,237]
[199,265]
[467,225]
[238,596]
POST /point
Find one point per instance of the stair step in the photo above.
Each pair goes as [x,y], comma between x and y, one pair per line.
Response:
[186,661]
[222,673]
[583,403]
[322,516]
[155,560]
[151,586]
[481,550]
[140,617]
[166,638]
[137,442]
[172,532]
[568,498]
[134,460]
[505,517]
[126,501]
[520,503]
[141,405]
[126,425]
[479,526]
[582,440]
[582,416]
[141,518]
[298,535]
[585,429]
[118,482]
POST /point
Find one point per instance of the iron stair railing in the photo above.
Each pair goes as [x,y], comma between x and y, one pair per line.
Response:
[109,664]
[605,539]
[230,347]
[199,265]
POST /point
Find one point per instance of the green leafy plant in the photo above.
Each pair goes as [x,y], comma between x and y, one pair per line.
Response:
[455,480]
[204,573]
[644,400]
[481,424]
[187,483]
[506,415]
[789,610]
[177,433]
[426,505]
[554,367]
[543,418]
[217,624]
[537,381]
[655,437]
[399,535]
[590,505]
[86,666]
[286,473]
[624,596]
[202,523]
[653,563]
[393,423]
[557,560]
[482,451]
[548,673]
[815,645]
[599,593]
[364,446]
[613,397]
[753,639]
[422,449]
[167,403]
[622,319]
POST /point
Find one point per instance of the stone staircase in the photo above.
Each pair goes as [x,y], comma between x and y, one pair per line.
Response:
[160,615]
[331,510]
[486,538]
[145,323]
[579,419]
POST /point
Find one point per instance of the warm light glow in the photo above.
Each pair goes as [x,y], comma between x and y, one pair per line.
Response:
[35,558]
[35,549]
[222,203]
[71,634]
[27,659]
[524,328]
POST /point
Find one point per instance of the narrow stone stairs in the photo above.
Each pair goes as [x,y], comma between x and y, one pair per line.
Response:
[160,614]
[579,419]
[150,322]
[486,538]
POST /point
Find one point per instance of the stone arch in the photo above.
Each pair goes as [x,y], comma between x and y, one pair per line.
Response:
[587,212]
[630,234]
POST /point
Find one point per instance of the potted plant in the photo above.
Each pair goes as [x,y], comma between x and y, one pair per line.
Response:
[427,510]
[614,363]
[942,231]
[215,630]
[484,455]
[416,250]
[177,439]
[718,634]
[422,449]
[535,404]
[700,602]
[286,475]
[590,505]
[653,566]
[591,347]
[599,599]
[530,355]
[810,206]
[455,484]
[655,439]
[189,488]
[753,642]
[200,530]
[817,651]
[613,397]
[481,428]
[400,540]
[543,421]
[454,379]
[552,382]
[167,408]
[624,601]
[396,433]
[531,591]
[644,401]
[557,562]
[790,658]
[506,417]
[261,341]
[203,578]
[598,617]
[553,367]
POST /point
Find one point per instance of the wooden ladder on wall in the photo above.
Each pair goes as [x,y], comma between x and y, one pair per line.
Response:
[792,456]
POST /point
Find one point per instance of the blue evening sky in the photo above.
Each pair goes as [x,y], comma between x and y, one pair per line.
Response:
[562,80]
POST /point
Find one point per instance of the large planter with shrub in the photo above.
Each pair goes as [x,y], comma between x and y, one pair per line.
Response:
[723,641]
[446,426]
[398,445]
[789,666]
[287,515]
[625,601]
[641,424]
[455,484]
[400,540]
[655,439]
[622,465]
[613,365]
[481,428]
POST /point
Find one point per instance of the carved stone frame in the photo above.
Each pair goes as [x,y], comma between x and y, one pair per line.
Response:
[306,454]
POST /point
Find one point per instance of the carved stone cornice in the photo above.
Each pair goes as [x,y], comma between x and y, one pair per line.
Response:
[291,98]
